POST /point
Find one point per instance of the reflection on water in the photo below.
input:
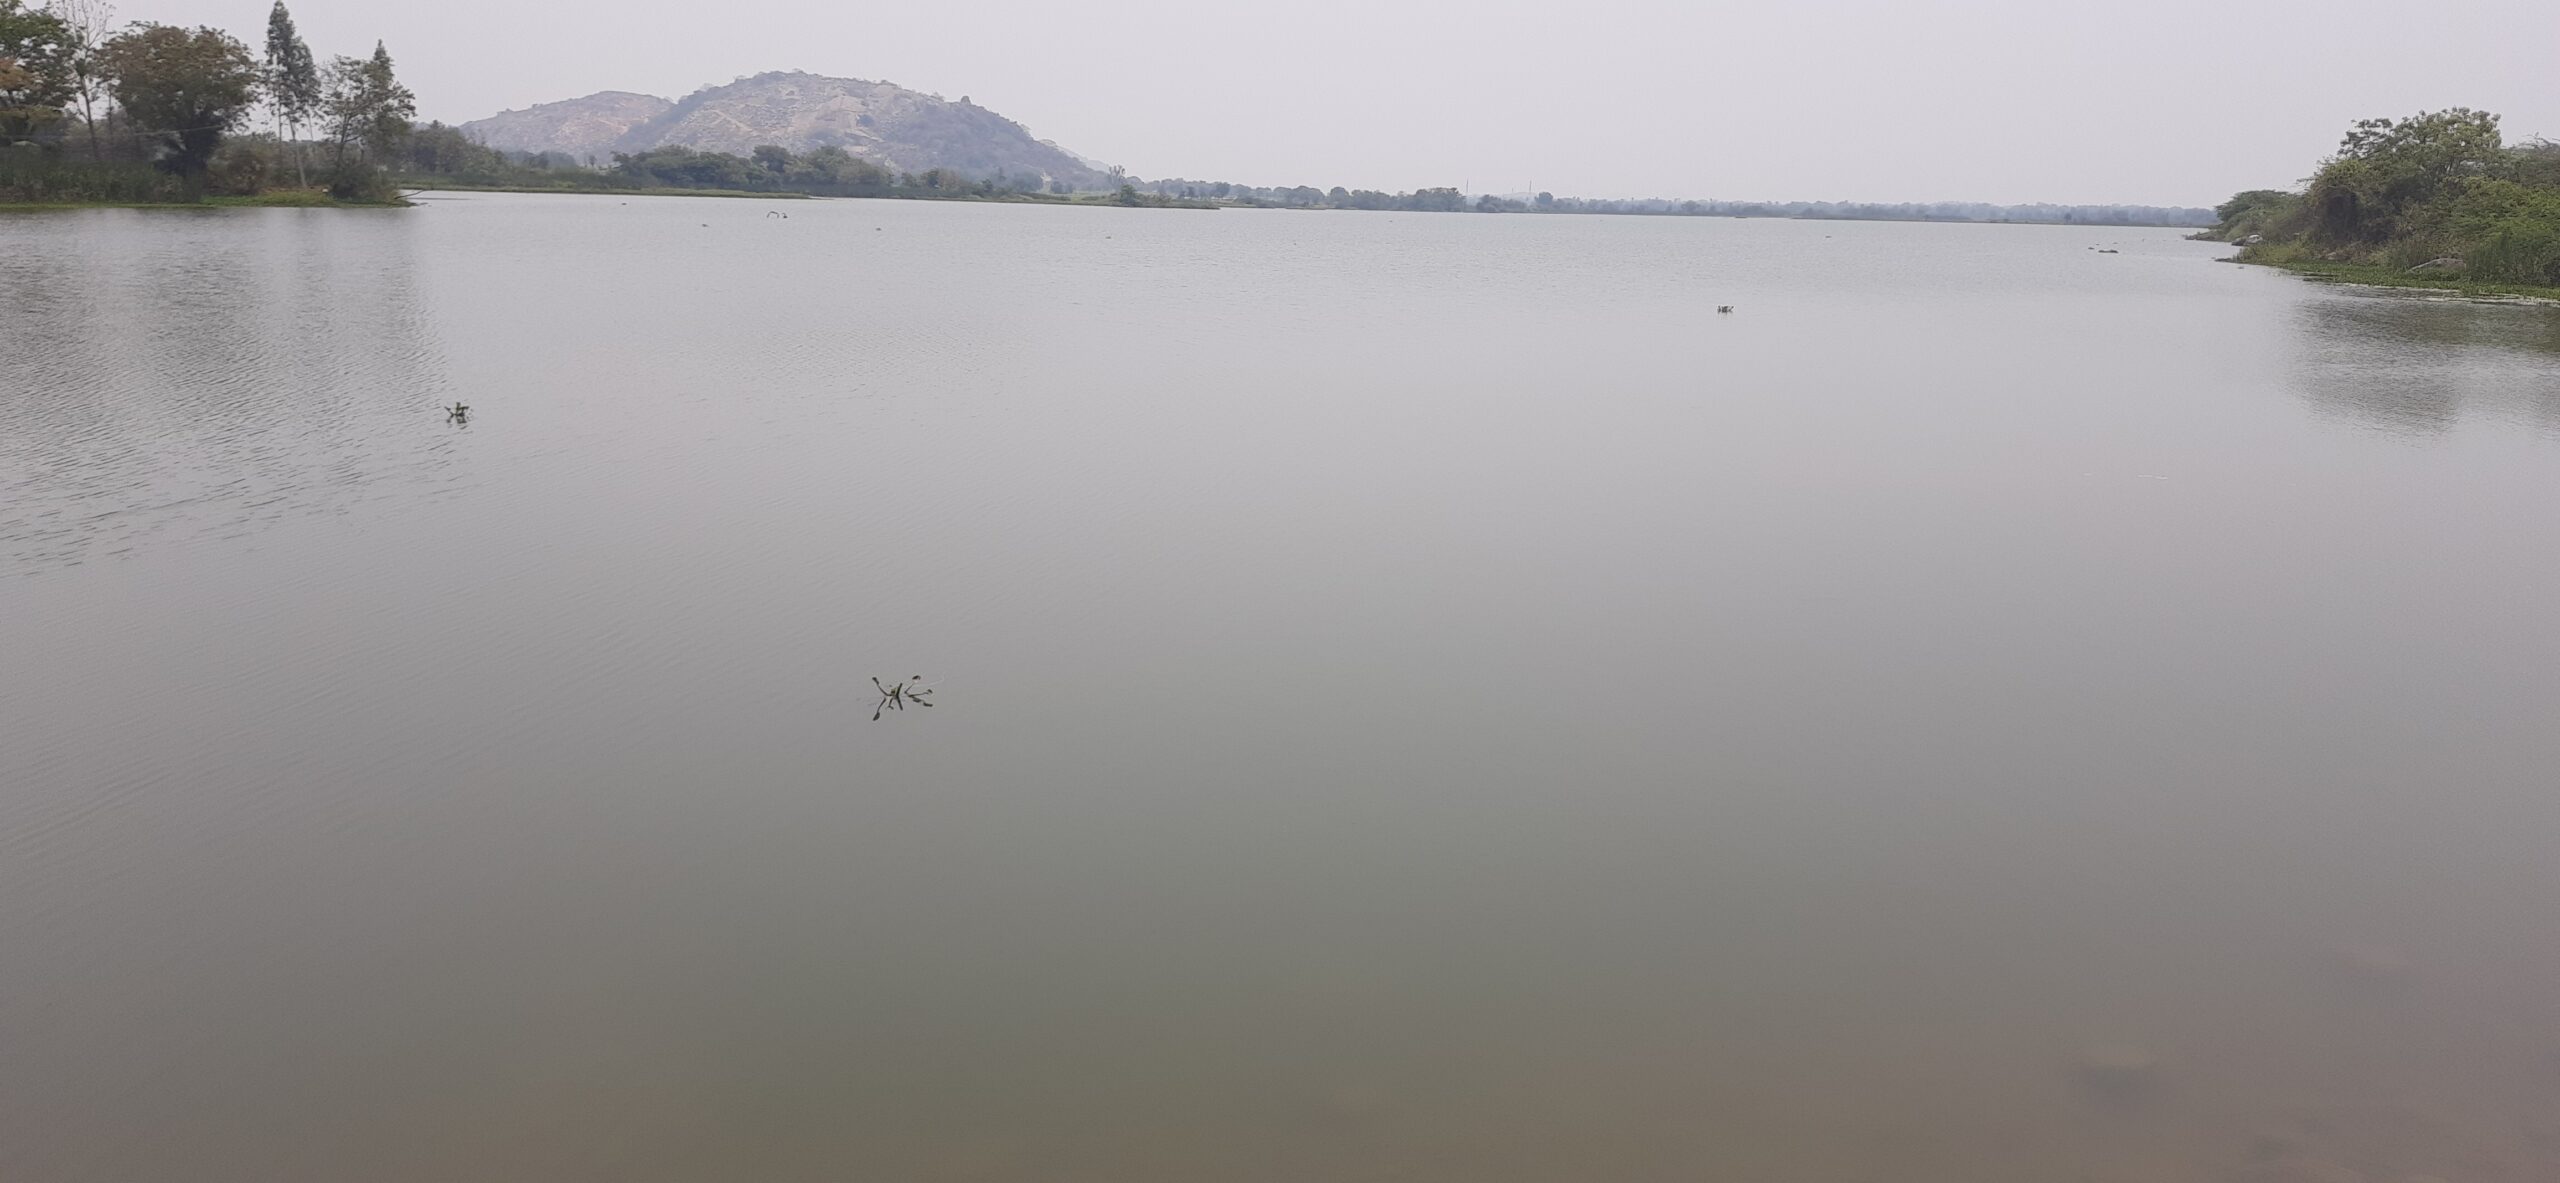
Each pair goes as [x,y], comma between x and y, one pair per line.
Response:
[1441,702]
[2416,363]
[195,376]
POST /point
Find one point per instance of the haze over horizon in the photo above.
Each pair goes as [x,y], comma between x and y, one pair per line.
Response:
[2176,103]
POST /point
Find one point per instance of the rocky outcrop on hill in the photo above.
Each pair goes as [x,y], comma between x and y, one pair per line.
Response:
[585,127]
[900,129]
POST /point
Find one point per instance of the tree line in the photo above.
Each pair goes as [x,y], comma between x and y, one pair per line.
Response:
[94,111]
[1450,200]
[437,155]
[2440,191]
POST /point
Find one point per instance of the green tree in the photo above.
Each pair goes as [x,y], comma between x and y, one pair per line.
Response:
[2250,201]
[35,73]
[369,113]
[685,168]
[440,151]
[1440,200]
[2536,162]
[835,166]
[2271,212]
[187,87]
[2389,172]
[293,83]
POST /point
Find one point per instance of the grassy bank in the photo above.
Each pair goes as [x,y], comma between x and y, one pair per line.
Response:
[42,180]
[2301,260]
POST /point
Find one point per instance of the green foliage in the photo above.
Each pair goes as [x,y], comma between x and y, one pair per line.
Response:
[246,165]
[36,77]
[185,87]
[2512,231]
[834,168]
[1442,200]
[440,156]
[32,176]
[2518,252]
[293,78]
[2389,175]
[2535,162]
[2402,193]
[2485,207]
[351,178]
[288,198]
[2269,212]
[367,108]
[684,167]
[437,150]
[179,95]
[2429,144]
[829,171]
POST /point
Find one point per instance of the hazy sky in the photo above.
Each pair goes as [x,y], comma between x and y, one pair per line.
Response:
[2166,102]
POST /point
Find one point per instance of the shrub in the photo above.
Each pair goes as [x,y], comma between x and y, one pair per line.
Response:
[2405,253]
[2522,250]
[354,180]
[36,175]
[245,166]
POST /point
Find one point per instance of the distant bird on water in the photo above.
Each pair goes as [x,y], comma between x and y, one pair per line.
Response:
[1724,308]
[458,412]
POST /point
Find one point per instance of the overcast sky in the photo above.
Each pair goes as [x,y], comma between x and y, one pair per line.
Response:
[2178,102]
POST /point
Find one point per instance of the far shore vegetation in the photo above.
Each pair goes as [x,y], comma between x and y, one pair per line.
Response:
[442,157]
[2436,200]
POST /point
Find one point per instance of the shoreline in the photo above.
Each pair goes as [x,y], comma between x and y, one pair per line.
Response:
[568,192]
[286,200]
[2377,275]
[1093,199]
[415,188]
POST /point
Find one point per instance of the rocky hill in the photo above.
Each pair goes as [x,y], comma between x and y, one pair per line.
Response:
[901,129]
[586,127]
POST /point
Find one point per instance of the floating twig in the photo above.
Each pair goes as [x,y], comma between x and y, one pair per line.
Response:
[897,696]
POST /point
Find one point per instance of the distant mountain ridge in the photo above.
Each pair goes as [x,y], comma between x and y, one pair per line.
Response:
[900,129]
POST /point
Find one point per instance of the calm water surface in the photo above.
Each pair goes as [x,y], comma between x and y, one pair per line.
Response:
[1420,697]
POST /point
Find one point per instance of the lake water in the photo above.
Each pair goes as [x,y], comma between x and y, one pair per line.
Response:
[1416,697]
